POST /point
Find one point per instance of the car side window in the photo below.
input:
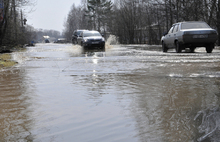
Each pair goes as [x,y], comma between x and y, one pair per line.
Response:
[176,28]
[81,34]
[171,30]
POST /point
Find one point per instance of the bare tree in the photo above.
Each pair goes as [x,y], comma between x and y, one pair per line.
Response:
[144,21]
[75,20]
[11,27]
[97,12]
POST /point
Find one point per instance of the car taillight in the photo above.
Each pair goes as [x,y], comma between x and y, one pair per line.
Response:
[183,35]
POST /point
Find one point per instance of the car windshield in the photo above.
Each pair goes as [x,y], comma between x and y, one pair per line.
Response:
[78,33]
[194,25]
[88,34]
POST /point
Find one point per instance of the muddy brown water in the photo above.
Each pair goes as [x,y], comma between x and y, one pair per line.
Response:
[58,92]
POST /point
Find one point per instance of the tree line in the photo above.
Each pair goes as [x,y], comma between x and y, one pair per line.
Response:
[139,21]
[13,28]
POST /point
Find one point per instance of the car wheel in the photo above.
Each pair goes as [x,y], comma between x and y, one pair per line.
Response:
[192,49]
[75,42]
[209,48]
[83,46]
[103,48]
[164,47]
[178,47]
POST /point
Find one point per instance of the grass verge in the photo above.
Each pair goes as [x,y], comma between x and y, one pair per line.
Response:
[6,60]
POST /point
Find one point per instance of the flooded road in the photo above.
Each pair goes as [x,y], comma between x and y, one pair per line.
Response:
[58,92]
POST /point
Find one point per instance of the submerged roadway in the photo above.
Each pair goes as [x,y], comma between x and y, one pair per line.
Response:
[129,93]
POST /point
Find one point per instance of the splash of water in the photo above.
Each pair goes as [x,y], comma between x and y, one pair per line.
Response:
[112,40]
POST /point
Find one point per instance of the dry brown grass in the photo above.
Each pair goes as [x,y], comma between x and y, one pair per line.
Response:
[5,61]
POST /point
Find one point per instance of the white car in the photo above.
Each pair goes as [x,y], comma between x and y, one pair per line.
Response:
[190,35]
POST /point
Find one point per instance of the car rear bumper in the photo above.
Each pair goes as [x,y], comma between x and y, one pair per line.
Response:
[200,37]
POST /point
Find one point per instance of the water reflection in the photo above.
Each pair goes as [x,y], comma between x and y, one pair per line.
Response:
[163,93]
[94,53]
[93,50]
[165,107]
[15,107]
[78,51]
[122,94]
[210,123]
[94,82]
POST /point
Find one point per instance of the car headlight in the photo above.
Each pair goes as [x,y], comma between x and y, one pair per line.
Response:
[103,39]
[85,40]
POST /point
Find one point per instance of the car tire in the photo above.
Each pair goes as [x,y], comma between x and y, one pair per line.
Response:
[192,49]
[209,48]
[164,47]
[83,46]
[102,47]
[74,42]
[178,47]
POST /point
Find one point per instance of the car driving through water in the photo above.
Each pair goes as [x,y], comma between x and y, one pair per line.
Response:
[190,35]
[91,40]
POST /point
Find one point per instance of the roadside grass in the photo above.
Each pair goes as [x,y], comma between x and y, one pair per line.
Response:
[6,60]
[5,56]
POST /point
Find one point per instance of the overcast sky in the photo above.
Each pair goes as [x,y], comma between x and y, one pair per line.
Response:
[50,14]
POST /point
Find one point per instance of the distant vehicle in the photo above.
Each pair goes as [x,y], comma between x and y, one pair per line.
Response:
[75,35]
[61,40]
[47,41]
[31,43]
[91,39]
[190,35]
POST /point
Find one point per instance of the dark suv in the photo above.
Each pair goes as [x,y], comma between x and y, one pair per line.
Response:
[75,35]
[91,40]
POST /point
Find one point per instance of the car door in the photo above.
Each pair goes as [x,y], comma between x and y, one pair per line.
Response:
[79,39]
[168,37]
[75,35]
[74,39]
[173,35]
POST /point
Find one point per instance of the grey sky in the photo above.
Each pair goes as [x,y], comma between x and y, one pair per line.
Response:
[50,14]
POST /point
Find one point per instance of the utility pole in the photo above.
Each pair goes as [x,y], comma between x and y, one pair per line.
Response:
[1,21]
[22,24]
[218,20]
[15,19]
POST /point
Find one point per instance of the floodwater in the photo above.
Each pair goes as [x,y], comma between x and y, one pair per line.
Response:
[58,92]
